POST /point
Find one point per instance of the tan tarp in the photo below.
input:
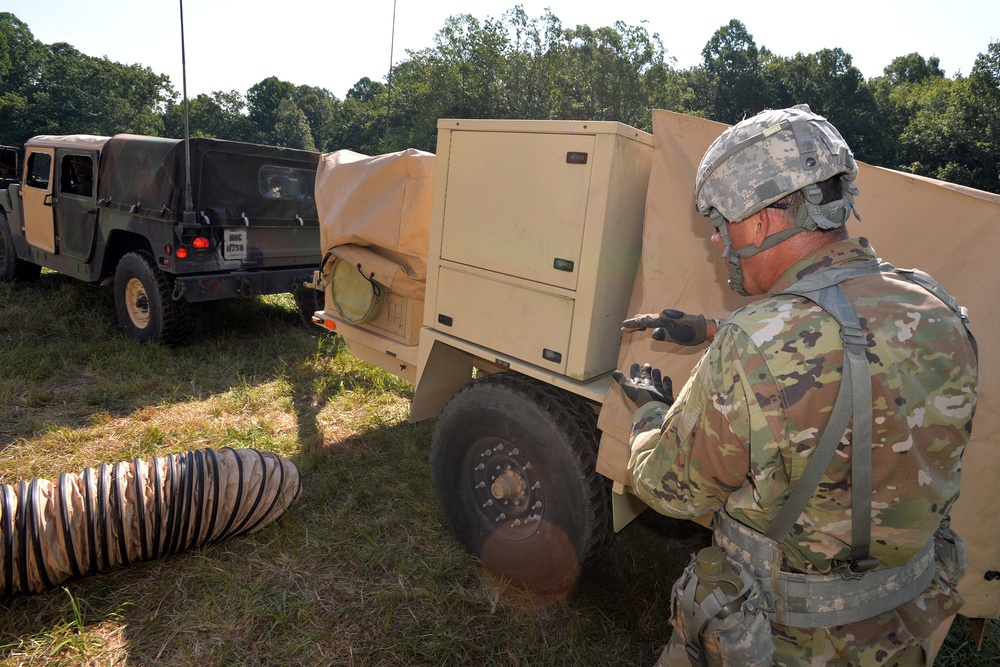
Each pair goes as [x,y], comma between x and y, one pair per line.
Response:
[949,231]
[375,211]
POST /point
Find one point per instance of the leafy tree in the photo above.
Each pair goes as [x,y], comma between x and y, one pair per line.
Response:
[218,115]
[735,68]
[534,56]
[263,103]
[21,57]
[613,68]
[462,76]
[832,86]
[687,91]
[291,129]
[954,132]
[912,68]
[320,108]
[912,117]
[361,121]
[76,93]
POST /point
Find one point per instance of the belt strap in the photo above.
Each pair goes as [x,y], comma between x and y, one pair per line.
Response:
[815,600]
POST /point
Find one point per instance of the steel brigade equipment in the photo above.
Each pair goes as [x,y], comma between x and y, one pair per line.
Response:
[495,276]
[111,210]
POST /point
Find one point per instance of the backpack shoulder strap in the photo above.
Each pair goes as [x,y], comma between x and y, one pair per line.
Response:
[853,402]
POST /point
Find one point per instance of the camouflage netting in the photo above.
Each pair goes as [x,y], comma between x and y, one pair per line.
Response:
[82,523]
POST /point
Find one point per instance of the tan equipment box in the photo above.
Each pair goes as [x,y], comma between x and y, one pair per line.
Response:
[535,238]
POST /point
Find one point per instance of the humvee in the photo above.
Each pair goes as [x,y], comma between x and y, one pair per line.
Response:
[121,211]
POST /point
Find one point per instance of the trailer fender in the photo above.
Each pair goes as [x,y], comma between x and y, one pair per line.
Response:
[442,371]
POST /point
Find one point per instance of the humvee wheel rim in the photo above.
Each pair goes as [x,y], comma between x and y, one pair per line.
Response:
[137,303]
[504,487]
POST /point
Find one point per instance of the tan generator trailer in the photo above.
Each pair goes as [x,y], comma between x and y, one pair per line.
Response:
[494,275]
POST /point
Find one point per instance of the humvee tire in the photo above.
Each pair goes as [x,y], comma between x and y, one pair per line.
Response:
[12,268]
[512,462]
[146,310]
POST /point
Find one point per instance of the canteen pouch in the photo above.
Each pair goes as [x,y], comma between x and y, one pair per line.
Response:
[949,553]
[738,635]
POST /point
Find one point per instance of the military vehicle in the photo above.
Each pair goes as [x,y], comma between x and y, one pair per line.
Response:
[122,211]
[495,275]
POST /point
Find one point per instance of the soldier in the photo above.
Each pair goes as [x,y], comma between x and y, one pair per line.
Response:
[849,384]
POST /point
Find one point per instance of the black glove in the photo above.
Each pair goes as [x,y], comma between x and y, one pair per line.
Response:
[671,325]
[645,385]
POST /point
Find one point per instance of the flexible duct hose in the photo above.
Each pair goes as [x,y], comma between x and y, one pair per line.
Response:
[92,521]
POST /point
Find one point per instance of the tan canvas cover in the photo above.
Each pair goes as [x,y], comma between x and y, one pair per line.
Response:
[83,141]
[375,211]
[949,231]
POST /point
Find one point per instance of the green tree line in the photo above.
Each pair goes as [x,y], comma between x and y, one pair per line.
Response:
[913,117]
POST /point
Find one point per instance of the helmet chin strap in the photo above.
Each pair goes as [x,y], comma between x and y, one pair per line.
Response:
[811,216]
[734,255]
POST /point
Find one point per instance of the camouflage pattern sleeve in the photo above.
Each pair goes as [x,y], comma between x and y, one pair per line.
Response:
[686,461]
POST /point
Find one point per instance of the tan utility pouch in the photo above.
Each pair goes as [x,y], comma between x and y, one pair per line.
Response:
[725,627]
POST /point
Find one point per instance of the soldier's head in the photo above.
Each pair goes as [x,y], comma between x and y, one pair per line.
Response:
[784,172]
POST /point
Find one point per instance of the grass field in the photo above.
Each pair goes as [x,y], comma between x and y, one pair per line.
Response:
[360,571]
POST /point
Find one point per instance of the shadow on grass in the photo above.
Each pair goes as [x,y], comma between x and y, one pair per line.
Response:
[64,363]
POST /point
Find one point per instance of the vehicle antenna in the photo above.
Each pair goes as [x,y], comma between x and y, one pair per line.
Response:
[388,104]
[189,217]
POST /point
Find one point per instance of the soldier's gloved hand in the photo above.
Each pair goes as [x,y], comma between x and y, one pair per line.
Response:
[645,384]
[671,325]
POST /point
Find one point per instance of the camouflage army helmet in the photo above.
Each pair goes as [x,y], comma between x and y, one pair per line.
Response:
[766,158]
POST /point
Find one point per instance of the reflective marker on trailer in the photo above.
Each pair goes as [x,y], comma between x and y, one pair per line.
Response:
[329,324]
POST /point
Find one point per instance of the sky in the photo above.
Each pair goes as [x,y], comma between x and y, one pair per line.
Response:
[232,45]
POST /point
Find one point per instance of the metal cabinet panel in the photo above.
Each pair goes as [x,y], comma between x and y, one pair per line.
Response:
[518,204]
[487,311]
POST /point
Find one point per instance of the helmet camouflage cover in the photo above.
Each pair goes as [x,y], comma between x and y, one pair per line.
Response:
[771,155]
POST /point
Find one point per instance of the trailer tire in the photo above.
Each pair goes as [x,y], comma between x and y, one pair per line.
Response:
[12,268]
[513,465]
[146,310]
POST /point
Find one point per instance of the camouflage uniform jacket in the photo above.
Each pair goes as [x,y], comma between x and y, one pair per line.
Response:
[741,430]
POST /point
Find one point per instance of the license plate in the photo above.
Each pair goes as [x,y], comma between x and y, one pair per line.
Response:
[236,244]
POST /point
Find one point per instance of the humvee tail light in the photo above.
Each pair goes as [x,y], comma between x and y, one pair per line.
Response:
[182,253]
[200,242]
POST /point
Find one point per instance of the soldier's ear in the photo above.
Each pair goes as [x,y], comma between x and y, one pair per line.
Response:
[762,227]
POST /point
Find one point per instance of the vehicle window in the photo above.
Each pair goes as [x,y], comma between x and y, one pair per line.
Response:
[77,175]
[285,182]
[8,164]
[39,167]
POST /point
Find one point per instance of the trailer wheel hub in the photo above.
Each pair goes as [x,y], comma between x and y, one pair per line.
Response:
[507,485]
[505,488]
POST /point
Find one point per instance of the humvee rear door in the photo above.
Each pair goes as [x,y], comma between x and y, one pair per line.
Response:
[76,202]
[36,196]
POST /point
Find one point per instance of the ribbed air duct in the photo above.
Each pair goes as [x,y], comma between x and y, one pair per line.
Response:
[92,521]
